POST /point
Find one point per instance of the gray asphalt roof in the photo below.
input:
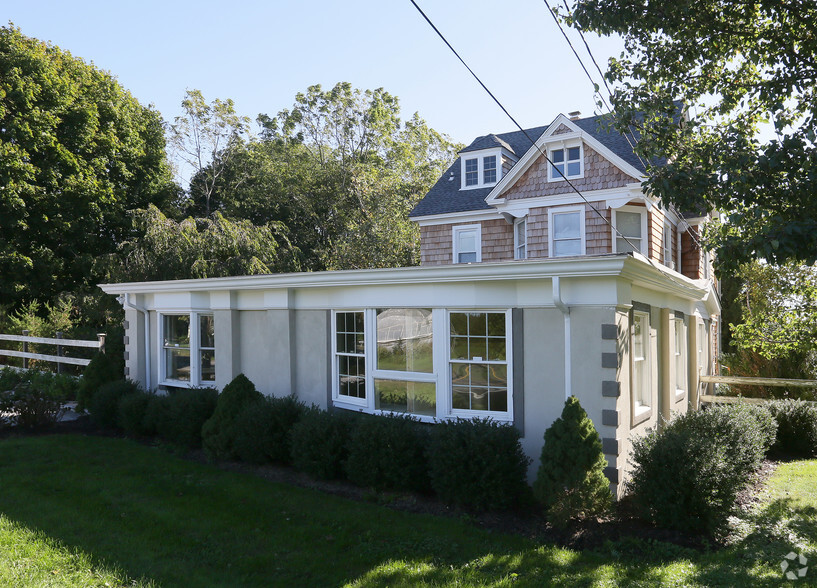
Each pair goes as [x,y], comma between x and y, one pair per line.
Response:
[445,196]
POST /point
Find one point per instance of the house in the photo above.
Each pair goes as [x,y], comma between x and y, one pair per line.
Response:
[526,295]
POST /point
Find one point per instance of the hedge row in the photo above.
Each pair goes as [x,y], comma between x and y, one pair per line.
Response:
[476,464]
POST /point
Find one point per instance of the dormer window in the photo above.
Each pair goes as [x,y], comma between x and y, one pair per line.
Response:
[566,162]
[472,172]
[481,169]
[489,169]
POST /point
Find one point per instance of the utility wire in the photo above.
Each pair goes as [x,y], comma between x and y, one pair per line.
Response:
[670,206]
[539,149]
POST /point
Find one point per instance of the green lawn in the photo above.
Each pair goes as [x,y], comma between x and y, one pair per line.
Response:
[88,511]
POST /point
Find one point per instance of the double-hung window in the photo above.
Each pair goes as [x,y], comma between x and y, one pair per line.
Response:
[489,169]
[478,362]
[667,240]
[350,356]
[472,171]
[566,231]
[566,163]
[640,380]
[630,229]
[189,348]
[520,238]
[680,356]
[467,244]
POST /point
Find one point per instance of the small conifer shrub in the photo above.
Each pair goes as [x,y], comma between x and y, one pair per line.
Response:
[571,483]
[219,431]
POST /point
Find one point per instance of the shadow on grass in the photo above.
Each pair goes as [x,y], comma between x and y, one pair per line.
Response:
[149,515]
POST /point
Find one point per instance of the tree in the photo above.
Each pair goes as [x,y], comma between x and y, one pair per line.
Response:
[204,138]
[77,151]
[342,172]
[212,247]
[735,65]
[570,482]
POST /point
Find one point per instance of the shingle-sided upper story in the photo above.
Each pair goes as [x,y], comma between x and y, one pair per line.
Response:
[502,200]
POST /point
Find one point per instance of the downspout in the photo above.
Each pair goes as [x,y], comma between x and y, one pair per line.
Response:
[557,300]
[144,311]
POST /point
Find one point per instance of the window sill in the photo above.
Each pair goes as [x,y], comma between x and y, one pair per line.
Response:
[494,416]
[641,413]
[680,395]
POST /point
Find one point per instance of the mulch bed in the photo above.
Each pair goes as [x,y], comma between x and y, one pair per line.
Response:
[530,523]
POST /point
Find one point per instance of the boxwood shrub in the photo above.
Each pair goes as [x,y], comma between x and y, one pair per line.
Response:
[389,453]
[263,430]
[687,475]
[320,441]
[180,416]
[796,428]
[104,404]
[219,431]
[478,464]
[131,414]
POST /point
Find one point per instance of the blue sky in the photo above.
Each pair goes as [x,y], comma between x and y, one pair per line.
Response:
[261,54]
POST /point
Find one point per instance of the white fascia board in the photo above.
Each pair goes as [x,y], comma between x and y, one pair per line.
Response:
[451,218]
[494,197]
[655,276]
[630,192]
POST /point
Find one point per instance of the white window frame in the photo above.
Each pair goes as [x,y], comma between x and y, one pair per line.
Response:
[336,395]
[641,399]
[440,376]
[480,157]
[666,241]
[553,175]
[195,349]
[467,414]
[520,246]
[679,266]
[643,249]
[582,226]
[497,163]
[703,369]
[680,357]
[455,234]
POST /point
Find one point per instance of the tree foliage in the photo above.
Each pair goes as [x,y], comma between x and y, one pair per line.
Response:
[165,249]
[76,152]
[341,171]
[735,66]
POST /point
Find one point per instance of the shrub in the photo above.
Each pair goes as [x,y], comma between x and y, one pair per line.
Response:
[478,464]
[688,475]
[219,431]
[104,368]
[389,452]
[183,414]
[154,412]
[263,429]
[33,407]
[570,482]
[130,415]
[9,378]
[104,405]
[320,442]
[796,428]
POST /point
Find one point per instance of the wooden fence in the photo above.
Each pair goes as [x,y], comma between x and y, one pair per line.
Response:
[738,380]
[60,359]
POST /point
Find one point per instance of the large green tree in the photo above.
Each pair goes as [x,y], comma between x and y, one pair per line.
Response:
[77,151]
[342,171]
[737,67]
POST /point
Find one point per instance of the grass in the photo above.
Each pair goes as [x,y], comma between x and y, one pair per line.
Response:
[88,511]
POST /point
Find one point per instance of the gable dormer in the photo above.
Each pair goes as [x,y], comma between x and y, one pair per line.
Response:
[484,162]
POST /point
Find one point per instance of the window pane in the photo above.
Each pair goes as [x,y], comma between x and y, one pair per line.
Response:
[568,247]
[477,322]
[461,398]
[458,321]
[471,172]
[574,168]
[557,156]
[479,374]
[177,330]
[467,241]
[467,257]
[479,399]
[207,330]
[496,324]
[349,337]
[352,377]
[629,224]
[411,397]
[556,174]
[499,400]
[459,348]
[477,348]
[208,366]
[623,246]
[573,153]
[498,375]
[404,340]
[566,225]
[177,364]
[521,231]
[460,374]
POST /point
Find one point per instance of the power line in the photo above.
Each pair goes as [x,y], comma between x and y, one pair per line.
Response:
[538,148]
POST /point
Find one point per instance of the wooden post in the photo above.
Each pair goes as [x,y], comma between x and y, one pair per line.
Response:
[101,338]
[25,349]
[59,352]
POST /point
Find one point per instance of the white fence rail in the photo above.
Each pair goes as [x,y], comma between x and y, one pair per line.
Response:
[741,380]
[60,359]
